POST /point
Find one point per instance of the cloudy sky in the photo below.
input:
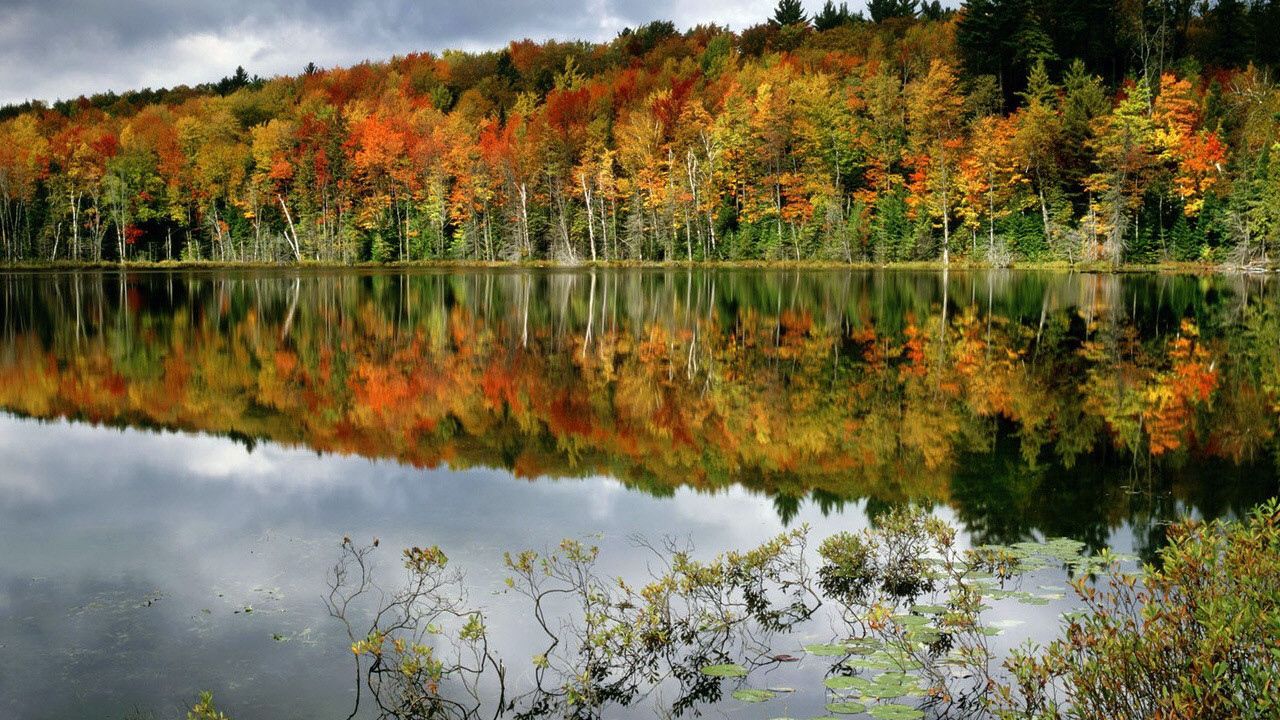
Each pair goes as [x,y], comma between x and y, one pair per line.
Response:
[51,49]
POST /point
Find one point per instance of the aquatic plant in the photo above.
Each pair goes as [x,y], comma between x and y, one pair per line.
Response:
[1197,635]
[1193,635]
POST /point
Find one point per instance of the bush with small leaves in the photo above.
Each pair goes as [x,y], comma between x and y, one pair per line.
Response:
[1196,637]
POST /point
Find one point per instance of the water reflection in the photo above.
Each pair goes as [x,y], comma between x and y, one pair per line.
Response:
[986,391]
[420,409]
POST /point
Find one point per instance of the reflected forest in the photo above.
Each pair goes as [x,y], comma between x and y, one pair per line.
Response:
[991,392]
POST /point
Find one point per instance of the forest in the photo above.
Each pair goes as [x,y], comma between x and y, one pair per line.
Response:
[997,132]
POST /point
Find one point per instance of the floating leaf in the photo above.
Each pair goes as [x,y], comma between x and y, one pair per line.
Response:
[925,635]
[846,708]
[726,670]
[895,712]
[826,650]
[885,692]
[751,695]
[863,646]
[847,682]
[873,662]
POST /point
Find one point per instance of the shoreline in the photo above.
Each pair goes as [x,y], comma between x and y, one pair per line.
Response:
[933,266]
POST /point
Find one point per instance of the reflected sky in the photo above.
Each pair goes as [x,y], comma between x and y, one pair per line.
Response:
[131,557]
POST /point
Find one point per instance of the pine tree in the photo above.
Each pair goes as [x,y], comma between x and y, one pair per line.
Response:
[831,17]
[789,12]
[881,10]
[934,10]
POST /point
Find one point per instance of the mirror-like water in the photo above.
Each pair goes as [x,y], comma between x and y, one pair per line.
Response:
[182,453]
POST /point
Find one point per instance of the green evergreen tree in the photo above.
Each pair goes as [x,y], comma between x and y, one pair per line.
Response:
[982,35]
[881,10]
[832,17]
[1228,42]
[1184,245]
[789,12]
[934,10]
[1264,19]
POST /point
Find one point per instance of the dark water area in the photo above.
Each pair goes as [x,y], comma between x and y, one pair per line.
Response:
[181,454]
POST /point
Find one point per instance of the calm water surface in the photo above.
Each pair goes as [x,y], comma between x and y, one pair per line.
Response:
[181,453]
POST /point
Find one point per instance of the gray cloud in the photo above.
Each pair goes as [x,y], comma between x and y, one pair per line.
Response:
[51,49]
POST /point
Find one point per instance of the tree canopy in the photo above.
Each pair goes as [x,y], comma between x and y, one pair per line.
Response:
[1007,130]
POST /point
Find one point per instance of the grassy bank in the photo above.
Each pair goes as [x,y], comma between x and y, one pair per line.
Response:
[150,265]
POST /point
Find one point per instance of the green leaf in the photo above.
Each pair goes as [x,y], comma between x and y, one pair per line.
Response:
[751,695]
[726,670]
[847,682]
[826,650]
[895,712]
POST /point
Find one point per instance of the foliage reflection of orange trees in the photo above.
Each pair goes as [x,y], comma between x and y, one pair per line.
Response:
[785,401]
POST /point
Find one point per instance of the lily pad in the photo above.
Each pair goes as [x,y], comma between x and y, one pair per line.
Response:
[846,708]
[826,650]
[870,662]
[925,635]
[863,646]
[726,670]
[751,695]
[847,682]
[885,692]
[895,712]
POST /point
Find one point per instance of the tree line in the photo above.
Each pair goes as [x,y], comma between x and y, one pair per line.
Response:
[1005,130]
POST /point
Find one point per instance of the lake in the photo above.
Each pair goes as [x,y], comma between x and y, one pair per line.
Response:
[183,453]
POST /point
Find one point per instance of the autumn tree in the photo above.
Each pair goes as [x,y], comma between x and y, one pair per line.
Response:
[1125,157]
[934,115]
[789,12]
